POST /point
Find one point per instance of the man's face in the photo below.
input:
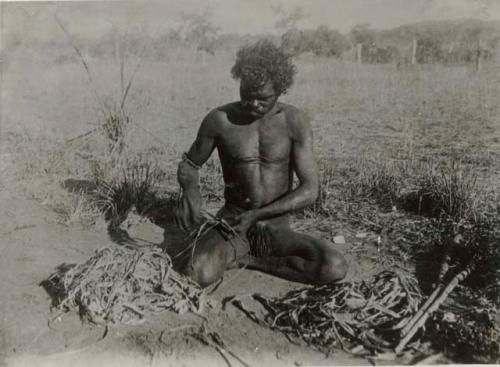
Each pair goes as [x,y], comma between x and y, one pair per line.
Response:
[257,101]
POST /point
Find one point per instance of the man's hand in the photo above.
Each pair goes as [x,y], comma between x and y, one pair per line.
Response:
[187,213]
[244,221]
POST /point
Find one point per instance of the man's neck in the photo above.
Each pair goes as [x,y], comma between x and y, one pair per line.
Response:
[273,111]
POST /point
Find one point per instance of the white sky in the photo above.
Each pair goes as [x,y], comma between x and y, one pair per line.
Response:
[91,19]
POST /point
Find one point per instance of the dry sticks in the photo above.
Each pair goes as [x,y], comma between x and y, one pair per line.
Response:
[432,304]
[120,284]
[382,315]
[438,296]
[341,314]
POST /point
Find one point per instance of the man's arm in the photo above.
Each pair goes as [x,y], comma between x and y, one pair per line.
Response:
[307,172]
[187,213]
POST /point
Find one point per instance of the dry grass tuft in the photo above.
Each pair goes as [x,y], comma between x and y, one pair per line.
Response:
[133,185]
[449,190]
[380,180]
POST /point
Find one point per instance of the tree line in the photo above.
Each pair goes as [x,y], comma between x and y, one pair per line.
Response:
[449,42]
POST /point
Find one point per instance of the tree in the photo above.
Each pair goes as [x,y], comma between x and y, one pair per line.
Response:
[429,50]
[288,19]
[327,42]
[198,29]
[321,41]
[362,34]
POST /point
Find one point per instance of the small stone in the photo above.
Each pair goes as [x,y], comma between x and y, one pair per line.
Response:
[449,317]
[388,356]
[361,235]
[340,240]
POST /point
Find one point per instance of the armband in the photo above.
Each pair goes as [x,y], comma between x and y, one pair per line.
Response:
[190,162]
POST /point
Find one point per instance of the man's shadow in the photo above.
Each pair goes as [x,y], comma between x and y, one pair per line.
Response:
[152,207]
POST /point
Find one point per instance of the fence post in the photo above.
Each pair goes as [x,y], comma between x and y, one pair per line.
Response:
[479,56]
[359,50]
[414,52]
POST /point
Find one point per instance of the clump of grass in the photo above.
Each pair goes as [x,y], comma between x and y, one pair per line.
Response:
[325,192]
[379,180]
[448,190]
[78,209]
[114,128]
[132,186]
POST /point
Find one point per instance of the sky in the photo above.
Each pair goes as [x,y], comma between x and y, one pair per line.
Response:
[90,19]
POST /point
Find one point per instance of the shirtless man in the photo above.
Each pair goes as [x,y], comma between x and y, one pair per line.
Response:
[261,143]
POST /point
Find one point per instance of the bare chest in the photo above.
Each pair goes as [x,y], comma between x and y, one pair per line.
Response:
[262,141]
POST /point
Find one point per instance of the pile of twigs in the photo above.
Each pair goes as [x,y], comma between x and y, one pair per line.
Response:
[123,285]
[369,313]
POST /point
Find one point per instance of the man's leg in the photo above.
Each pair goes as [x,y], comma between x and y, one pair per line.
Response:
[300,258]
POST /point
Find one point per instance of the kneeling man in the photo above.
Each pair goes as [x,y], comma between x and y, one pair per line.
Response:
[261,143]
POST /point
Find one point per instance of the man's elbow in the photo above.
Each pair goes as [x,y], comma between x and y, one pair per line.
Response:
[312,192]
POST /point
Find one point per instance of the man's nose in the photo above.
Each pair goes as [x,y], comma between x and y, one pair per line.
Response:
[254,103]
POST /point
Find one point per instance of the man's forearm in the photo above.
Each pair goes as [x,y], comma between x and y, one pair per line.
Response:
[188,176]
[301,197]
[188,212]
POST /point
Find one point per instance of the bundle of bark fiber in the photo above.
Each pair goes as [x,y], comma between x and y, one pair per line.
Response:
[125,285]
[350,314]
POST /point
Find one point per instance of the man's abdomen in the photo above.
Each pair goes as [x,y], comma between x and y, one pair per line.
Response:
[254,185]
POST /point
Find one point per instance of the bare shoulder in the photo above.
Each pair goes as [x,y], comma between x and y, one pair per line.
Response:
[214,120]
[222,114]
[297,121]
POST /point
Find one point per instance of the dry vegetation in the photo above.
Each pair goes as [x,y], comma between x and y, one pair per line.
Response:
[410,154]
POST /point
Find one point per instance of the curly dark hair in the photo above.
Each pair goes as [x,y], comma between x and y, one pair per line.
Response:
[262,61]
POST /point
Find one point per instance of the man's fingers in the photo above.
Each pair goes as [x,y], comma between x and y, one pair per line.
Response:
[180,223]
[234,220]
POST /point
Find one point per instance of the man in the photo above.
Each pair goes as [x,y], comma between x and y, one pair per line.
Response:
[261,143]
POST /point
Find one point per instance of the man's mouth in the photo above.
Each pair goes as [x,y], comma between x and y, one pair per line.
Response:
[255,111]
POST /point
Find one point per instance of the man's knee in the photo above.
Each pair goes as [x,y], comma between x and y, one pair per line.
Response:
[205,271]
[333,269]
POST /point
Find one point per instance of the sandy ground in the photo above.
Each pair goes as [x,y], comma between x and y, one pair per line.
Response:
[32,244]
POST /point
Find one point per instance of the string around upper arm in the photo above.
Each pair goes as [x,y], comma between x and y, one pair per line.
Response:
[186,159]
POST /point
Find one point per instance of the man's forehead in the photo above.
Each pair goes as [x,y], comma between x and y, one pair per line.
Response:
[264,88]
